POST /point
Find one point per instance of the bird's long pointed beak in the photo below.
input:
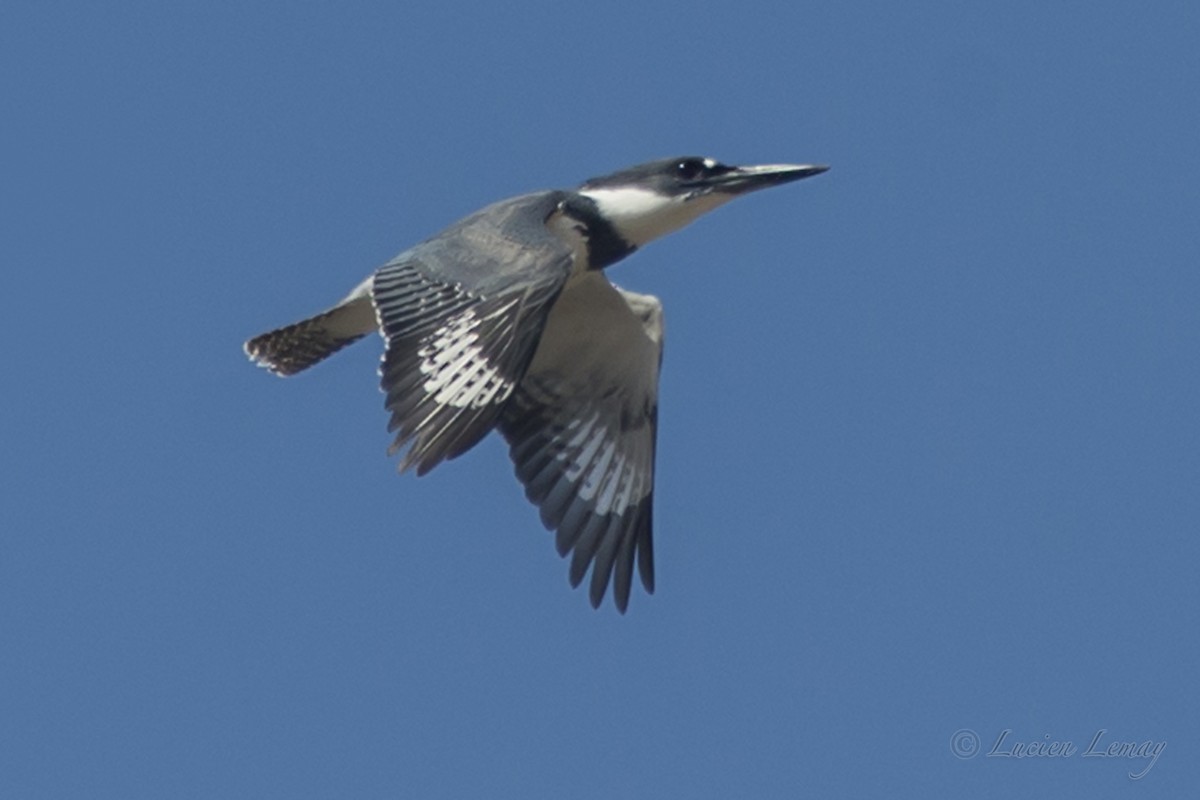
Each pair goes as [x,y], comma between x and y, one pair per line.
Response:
[741,180]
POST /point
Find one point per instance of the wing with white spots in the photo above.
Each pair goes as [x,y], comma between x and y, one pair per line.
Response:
[581,430]
[462,315]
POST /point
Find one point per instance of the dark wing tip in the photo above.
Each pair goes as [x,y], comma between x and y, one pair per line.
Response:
[645,544]
[609,547]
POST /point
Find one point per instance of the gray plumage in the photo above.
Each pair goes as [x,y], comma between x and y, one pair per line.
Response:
[505,321]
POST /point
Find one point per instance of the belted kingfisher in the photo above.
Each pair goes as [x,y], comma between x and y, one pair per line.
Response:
[506,321]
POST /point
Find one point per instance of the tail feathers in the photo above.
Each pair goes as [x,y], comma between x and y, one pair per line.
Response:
[291,349]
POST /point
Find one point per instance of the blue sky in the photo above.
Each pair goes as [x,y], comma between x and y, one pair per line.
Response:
[929,445]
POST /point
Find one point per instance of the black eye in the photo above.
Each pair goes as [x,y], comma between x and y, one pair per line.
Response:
[689,169]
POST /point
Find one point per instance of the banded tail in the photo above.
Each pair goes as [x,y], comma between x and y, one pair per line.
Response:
[294,348]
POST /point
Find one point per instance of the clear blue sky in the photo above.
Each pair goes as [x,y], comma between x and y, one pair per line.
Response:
[929,453]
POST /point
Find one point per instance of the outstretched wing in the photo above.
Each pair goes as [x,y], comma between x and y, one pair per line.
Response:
[581,430]
[462,315]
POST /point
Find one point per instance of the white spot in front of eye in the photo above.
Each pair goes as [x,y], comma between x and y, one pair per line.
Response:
[710,163]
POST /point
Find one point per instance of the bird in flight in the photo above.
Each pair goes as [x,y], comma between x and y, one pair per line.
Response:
[506,321]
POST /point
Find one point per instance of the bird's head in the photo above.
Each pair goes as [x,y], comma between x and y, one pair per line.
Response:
[650,200]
